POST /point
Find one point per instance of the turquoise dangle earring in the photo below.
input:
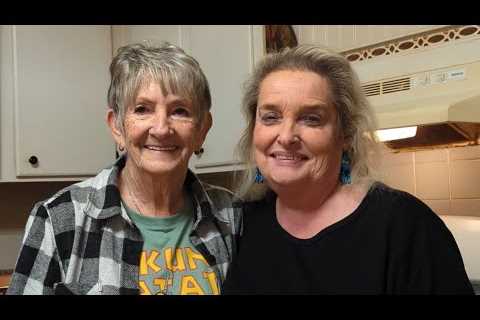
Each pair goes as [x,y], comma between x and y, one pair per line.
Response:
[258,176]
[345,169]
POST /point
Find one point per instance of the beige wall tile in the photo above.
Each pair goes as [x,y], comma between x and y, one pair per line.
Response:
[436,155]
[463,153]
[440,207]
[383,148]
[431,180]
[401,158]
[400,177]
[465,207]
[465,179]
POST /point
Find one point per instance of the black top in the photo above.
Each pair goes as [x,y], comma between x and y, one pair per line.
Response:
[391,244]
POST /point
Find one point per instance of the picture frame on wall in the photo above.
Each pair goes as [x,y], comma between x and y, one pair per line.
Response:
[278,37]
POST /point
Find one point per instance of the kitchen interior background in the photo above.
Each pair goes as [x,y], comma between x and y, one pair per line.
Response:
[444,178]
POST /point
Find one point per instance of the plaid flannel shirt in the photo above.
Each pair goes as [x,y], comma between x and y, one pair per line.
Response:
[81,240]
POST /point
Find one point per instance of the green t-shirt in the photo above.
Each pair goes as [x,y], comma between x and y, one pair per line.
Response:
[170,263]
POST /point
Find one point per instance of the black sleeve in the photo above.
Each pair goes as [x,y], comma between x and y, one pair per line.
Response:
[429,261]
[235,279]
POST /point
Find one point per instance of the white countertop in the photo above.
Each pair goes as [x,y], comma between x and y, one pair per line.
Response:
[466,230]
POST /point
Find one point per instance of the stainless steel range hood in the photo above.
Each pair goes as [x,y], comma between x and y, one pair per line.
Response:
[437,90]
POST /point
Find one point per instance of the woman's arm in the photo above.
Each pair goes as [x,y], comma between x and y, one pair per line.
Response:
[38,267]
[429,261]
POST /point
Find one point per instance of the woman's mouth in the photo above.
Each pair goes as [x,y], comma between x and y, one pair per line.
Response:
[288,157]
[161,148]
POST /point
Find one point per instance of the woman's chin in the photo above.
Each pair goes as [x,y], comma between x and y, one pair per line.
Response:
[160,168]
[286,180]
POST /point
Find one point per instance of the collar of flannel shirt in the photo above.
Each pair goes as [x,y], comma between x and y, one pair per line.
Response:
[103,204]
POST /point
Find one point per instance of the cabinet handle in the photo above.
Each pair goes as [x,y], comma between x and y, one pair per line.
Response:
[33,160]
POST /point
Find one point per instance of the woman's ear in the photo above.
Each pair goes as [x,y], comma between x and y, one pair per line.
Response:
[114,130]
[204,128]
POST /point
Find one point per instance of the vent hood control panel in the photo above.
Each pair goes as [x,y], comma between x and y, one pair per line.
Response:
[431,78]
[415,81]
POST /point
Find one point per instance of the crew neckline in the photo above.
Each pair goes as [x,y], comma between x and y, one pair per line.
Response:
[348,219]
[163,222]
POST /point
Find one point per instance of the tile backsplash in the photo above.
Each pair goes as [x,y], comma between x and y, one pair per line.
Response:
[448,180]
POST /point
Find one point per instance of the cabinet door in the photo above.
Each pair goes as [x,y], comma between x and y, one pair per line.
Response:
[123,35]
[226,55]
[60,83]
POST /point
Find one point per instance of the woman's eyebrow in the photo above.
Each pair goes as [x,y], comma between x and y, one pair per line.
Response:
[177,99]
[141,99]
[307,108]
[268,106]
[315,107]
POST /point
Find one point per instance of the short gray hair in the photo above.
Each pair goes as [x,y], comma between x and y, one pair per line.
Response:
[135,65]
[357,121]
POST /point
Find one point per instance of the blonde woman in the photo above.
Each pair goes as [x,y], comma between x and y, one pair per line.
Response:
[321,224]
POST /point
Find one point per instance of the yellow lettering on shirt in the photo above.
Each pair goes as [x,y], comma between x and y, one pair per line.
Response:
[192,256]
[212,281]
[146,262]
[178,264]
[190,286]
[162,284]
[144,288]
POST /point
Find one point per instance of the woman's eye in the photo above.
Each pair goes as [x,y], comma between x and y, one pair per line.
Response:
[312,119]
[181,112]
[140,109]
[269,117]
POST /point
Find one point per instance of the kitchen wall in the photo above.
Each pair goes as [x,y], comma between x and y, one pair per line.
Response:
[445,179]
[16,202]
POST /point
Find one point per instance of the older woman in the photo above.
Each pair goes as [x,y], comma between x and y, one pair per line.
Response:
[145,225]
[322,224]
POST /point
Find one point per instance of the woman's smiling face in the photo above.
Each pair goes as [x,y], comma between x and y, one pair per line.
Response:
[161,131]
[296,138]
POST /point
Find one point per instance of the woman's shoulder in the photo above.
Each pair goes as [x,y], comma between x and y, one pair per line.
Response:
[260,207]
[78,197]
[219,194]
[401,207]
[226,205]
[392,197]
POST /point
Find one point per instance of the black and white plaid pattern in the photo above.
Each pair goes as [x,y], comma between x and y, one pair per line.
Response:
[81,240]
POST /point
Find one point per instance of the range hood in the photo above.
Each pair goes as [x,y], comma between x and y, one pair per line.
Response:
[435,89]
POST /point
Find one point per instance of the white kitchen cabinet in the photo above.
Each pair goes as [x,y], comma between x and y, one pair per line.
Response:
[227,55]
[122,35]
[54,82]
[347,37]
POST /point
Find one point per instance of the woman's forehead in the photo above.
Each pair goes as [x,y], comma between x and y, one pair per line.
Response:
[167,87]
[296,87]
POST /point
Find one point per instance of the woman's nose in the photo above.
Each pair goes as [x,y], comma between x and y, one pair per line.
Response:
[288,135]
[160,125]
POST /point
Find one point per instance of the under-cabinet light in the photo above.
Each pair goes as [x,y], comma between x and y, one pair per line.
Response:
[396,133]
